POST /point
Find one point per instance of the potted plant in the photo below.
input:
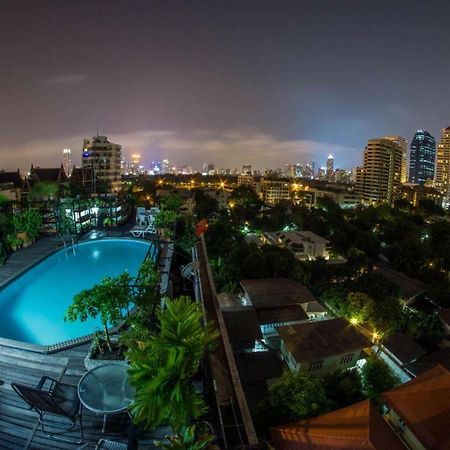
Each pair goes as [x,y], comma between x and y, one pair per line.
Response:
[111,301]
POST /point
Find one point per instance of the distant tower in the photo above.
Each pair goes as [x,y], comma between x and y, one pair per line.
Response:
[422,157]
[443,165]
[66,161]
[378,180]
[403,144]
[330,167]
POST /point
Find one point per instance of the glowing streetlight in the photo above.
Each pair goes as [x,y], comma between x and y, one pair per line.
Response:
[354,321]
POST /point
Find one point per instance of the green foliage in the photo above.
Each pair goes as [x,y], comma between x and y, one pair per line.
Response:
[359,306]
[171,203]
[162,367]
[343,388]
[188,439]
[28,221]
[43,190]
[377,378]
[110,300]
[66,223]
[204,204]
[165,218]
[292,397]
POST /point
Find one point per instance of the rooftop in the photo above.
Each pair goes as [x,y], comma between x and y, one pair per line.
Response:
[242,325]
[257,366]
[271,292]
[424,405]
[11,177]
[281,314]
[359,426]
[403,348]
[312,341]
[298,237]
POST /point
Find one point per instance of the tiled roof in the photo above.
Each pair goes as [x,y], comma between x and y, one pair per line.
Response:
[424,406]
[359,426]
[242,325]
[11,177]
[312,341]
[281,314]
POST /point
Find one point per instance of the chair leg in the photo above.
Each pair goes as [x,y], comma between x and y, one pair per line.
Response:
[57,436]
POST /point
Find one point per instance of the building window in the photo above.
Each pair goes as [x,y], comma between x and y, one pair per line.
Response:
[317,365]
[347,358]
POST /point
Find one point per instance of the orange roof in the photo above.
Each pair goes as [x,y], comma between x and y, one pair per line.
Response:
[424,405]
[359,426]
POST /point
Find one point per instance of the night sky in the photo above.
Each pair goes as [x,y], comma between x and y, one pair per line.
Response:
[226,82]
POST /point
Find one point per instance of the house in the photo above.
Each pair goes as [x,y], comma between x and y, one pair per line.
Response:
[322,346]
[427,362]
[279,302]
[304,245]
[398,352]
[221,196]
[419,410]
[49,174]
[11,185]
[358,426]
[243,328]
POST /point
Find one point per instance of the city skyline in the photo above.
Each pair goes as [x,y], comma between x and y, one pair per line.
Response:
[238,83]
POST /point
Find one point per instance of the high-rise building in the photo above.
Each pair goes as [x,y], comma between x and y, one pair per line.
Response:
[66,161]
[443,166]
[103,157]
[246,168]
[379,179]
[330,167]
[403,144]
[422,157]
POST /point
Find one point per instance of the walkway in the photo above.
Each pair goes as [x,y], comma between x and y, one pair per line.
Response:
[20,260]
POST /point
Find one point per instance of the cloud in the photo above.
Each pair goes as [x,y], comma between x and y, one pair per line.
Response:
[68,78]
[225,149]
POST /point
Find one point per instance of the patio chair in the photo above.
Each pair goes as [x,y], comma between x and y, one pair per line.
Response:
[104,444]
[53,397]
[140,231]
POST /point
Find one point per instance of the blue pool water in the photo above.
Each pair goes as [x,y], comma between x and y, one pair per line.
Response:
[32,307]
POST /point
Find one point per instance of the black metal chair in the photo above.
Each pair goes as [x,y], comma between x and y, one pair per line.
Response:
[53,397]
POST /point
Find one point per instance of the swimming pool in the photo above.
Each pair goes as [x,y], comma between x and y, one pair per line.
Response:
[33,305]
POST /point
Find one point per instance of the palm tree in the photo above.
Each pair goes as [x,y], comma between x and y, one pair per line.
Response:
[162,368]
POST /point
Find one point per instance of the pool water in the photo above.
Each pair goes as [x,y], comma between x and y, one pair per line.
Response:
[32,306]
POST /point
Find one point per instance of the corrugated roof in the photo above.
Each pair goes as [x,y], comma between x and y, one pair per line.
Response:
[281,314]
[403,347]
[242,325]
[312,341]
[424,405]
[359,426]
[270,292]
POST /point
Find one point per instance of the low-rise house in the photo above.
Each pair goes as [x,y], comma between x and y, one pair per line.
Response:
[243,328]
[358,426]
[419,410]
[11,185]
[427,362]
[55,175]
[322,346]
[304,245]
[398,352]
[221,196]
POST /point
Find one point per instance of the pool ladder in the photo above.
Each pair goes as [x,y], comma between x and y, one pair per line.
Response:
[65,245]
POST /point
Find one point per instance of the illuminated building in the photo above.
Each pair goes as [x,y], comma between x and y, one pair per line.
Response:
[274,191]
[422,157]
[403,144]
[103,157]
[443,165]
[66,161]
[378,180]
[330,168]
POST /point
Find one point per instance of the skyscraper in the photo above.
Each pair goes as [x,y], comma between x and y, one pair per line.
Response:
[422,157]
[403,144]
[443,165]
[379,179]
[103,157]
[66,161]
[330,167]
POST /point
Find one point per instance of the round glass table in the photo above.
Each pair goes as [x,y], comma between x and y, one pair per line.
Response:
[106,390]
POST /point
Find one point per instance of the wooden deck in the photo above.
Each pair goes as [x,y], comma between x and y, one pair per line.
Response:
[18,424]
[20,260]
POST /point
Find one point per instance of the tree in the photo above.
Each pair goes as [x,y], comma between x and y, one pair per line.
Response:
[110,300]
[162,367]
[343,388]
[377,378]
[292,397]
[43,190]
[359,306]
